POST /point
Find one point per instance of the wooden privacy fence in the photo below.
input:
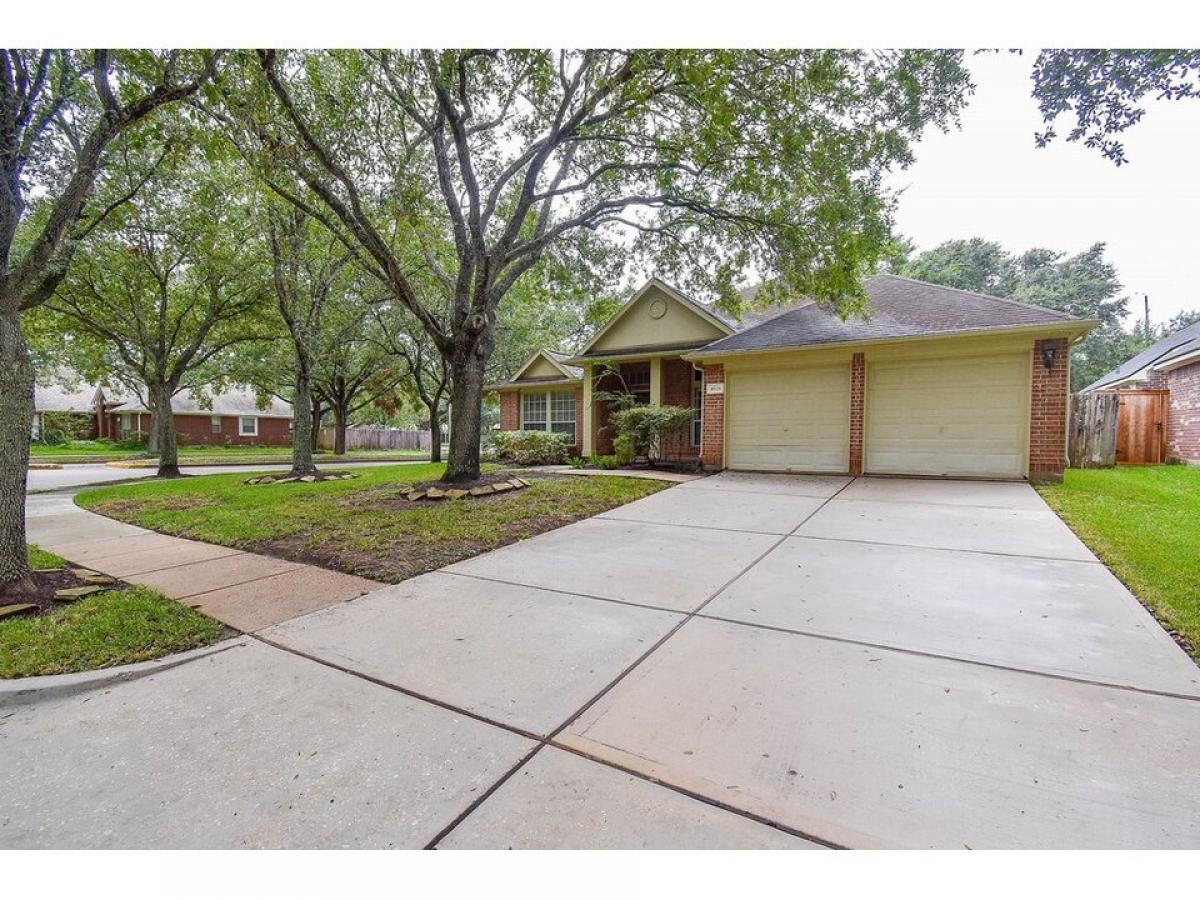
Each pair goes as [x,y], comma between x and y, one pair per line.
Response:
[373,437]
[1093,435]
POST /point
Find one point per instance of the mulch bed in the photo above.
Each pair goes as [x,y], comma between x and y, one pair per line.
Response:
[46,582]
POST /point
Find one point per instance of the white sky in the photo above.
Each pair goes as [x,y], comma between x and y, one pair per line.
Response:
[988,180]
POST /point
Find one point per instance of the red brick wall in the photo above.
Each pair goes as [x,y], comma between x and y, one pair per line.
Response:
[677,386]
[1048,413]
[197,430]
[858,384]
[1183,413]
[510,410]
[712,454]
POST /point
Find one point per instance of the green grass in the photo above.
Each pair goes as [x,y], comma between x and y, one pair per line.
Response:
[43,559]
[360,526]
[200,455]
[109,629]
[1144,523]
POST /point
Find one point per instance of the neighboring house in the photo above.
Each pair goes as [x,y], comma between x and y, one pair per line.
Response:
[937,381]
[233,417]
[65,396]
[1173,365]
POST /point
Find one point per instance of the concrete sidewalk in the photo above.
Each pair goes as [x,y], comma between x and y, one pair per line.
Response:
[246,591]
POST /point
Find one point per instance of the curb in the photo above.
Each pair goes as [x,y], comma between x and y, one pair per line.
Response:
[47,687]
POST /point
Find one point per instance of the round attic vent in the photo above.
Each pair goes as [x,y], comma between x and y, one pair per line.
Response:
[658,308]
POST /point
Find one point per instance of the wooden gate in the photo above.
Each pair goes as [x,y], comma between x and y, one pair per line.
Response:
[1142,427]
[1093,439]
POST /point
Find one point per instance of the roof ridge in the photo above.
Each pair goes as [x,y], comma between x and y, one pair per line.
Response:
[948,287]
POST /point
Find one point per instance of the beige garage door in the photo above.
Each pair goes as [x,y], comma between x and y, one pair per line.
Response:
[956,416]
[790,419]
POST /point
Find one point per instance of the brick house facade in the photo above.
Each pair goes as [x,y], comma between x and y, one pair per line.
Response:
[937,382]
[205,430]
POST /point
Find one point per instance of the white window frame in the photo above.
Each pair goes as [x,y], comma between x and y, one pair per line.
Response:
[242,432]
[529,404]
[215,424]
[556,416]
[126,422]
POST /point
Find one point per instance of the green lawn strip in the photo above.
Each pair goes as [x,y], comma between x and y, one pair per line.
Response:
[360,526]
[277,456]
[43,559]
[83,449]
[1144,523]
[110,629]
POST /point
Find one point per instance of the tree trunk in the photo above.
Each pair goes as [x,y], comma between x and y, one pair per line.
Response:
[317,412]
[466,417]
[339,431]
[16,426]
[164,429]
[302,426]
[435,432]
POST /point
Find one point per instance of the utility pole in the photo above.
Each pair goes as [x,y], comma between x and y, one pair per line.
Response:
[1146,319]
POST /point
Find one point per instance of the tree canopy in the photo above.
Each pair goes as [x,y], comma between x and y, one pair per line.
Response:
[472,167]
[1105,91]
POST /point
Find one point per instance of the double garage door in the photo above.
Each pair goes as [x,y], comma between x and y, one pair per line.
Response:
[964,416]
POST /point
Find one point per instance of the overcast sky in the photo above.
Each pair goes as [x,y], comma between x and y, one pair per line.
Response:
[988,179]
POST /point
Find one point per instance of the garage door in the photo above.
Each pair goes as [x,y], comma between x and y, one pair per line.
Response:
[789,419]
[958,416]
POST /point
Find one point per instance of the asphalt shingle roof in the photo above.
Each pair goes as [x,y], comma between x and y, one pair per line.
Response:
[899,307]
[1185,340]
[230,403]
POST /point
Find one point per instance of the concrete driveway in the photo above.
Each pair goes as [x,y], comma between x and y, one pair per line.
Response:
[740,661]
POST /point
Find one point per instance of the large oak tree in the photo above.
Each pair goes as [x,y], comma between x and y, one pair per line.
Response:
[60,111]
[711,165]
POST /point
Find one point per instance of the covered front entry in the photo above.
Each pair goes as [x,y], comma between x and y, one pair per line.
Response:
[964,416]
[794,419]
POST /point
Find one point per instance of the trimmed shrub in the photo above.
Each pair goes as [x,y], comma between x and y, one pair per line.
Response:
[532,448]
[645,429]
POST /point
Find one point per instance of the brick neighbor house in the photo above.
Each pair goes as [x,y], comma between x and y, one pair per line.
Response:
[233,417]
[1171,365]
[933,381]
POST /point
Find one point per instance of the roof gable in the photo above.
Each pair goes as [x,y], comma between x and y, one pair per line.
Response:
[656,314]
[545,365]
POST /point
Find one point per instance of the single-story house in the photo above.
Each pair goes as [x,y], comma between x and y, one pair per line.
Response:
[931,381]
[1171,365]
[232,417]
[64,396]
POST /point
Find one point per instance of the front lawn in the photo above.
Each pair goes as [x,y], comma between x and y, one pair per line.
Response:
[1144,523]
[363,526]
[129,625]
[126,626]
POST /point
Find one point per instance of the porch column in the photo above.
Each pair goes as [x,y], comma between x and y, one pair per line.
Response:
[587,413]
[656,381]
